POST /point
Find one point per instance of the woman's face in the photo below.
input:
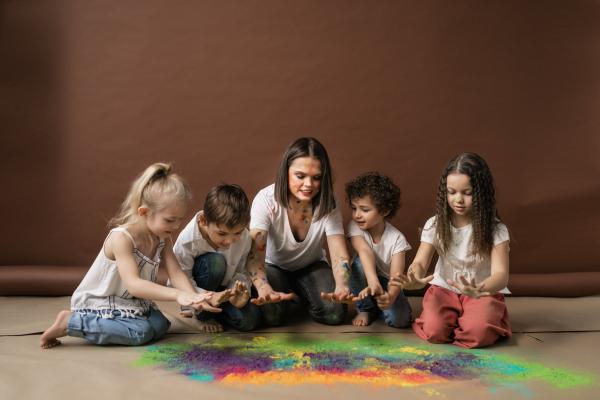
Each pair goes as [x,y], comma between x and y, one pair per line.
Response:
[304,178]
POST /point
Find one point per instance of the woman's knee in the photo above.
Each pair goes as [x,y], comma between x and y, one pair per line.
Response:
[272,314]
[329,313]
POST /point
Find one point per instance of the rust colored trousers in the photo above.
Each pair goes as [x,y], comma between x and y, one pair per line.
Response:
[449,317]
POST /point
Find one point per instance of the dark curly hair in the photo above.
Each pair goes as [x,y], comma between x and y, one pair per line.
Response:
[384,193]
[484,215]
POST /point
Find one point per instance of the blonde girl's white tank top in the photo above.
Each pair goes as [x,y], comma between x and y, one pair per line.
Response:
[102,289]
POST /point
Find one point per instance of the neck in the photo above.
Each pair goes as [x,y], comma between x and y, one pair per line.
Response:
[377,231]
[204,234]
[460,220]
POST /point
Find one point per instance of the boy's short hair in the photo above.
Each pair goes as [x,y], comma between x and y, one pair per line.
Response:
[227,205]
[384,193]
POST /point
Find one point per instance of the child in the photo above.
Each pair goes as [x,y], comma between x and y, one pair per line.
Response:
[465,303]
[380,250]
[213,251]
[113,303]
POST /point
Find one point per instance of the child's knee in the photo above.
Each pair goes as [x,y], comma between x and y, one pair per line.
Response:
[398,320]
[247,319]
[437,330]
[476,334]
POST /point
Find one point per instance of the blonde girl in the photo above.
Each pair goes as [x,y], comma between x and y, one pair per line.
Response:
[114,302]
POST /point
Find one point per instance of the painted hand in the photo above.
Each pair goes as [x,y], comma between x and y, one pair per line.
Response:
[469,288]
[240,295]
[266,295]
[385,300]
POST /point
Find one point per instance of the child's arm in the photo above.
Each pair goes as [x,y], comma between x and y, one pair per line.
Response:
[122,248]
[367,260]
[255,265]
[415,277]
[338,253]
[396,269]
[499,274]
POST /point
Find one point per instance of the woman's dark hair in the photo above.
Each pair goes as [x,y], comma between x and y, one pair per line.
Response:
[384,193]
[324,202]
[484,215]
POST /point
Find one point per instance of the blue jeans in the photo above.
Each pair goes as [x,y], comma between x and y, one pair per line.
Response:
[90,326]
[399,315]
[307,283]
[208,272]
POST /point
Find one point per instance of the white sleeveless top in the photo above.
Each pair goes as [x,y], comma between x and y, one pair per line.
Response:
[102,289]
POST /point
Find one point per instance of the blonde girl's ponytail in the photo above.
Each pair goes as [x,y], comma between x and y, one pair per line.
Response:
[155,188]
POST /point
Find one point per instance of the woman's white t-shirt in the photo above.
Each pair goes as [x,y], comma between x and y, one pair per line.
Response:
[392,242]
[458,260]
[282,248]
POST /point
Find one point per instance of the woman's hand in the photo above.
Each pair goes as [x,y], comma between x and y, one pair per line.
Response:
[267,295]
[469,288]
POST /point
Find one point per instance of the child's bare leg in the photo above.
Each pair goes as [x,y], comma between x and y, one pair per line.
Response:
[58,329]
[362,319]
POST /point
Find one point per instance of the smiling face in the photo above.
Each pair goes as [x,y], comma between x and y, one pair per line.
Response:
[220,237]
[304,178]
[163,223]
[459,194]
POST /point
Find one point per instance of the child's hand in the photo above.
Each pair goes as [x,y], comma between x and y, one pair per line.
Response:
[266,295]
[384,300]
[240,295]
[410,281]
[342,294]
[371,290]
[198,301]
[220,297]
[469,288]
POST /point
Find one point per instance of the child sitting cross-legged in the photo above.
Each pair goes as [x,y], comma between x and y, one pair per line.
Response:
[380,250]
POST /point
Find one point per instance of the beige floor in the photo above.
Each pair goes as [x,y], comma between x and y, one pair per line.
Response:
[558,333]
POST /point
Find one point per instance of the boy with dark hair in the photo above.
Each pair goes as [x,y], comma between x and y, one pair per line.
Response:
[213,251]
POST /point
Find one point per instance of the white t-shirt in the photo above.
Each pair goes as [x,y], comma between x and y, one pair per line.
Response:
[190,244]
[458,261]
[392,242]
[282,248]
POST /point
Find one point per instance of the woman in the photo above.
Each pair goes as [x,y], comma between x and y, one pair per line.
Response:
[290,219]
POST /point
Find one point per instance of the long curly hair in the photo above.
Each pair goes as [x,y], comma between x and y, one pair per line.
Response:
[484,215]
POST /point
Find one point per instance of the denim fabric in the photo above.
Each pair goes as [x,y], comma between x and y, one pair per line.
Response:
[91,326]
[208,272]
[399,315]
[307,283]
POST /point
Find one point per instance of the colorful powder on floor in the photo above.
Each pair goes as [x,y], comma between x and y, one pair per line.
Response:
[369,360]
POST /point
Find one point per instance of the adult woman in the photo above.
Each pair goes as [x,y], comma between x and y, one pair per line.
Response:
[289,220]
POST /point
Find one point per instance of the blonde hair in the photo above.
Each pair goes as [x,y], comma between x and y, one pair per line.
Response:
[155,188]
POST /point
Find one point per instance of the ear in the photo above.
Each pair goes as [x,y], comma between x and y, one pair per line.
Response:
[385,214]
[143,211]
[202,219]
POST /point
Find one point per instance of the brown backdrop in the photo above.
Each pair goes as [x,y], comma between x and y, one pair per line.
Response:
[92,92]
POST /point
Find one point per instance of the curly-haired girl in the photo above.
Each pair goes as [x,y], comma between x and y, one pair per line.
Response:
[465,303]
[380,249]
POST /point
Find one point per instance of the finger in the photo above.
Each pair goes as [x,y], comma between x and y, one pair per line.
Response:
[259,301]
[453,284]
[287,296]
[208,307]
[463,280]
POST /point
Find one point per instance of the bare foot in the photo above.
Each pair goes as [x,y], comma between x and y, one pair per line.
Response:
[58,329]
[208,326]
[362,319]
